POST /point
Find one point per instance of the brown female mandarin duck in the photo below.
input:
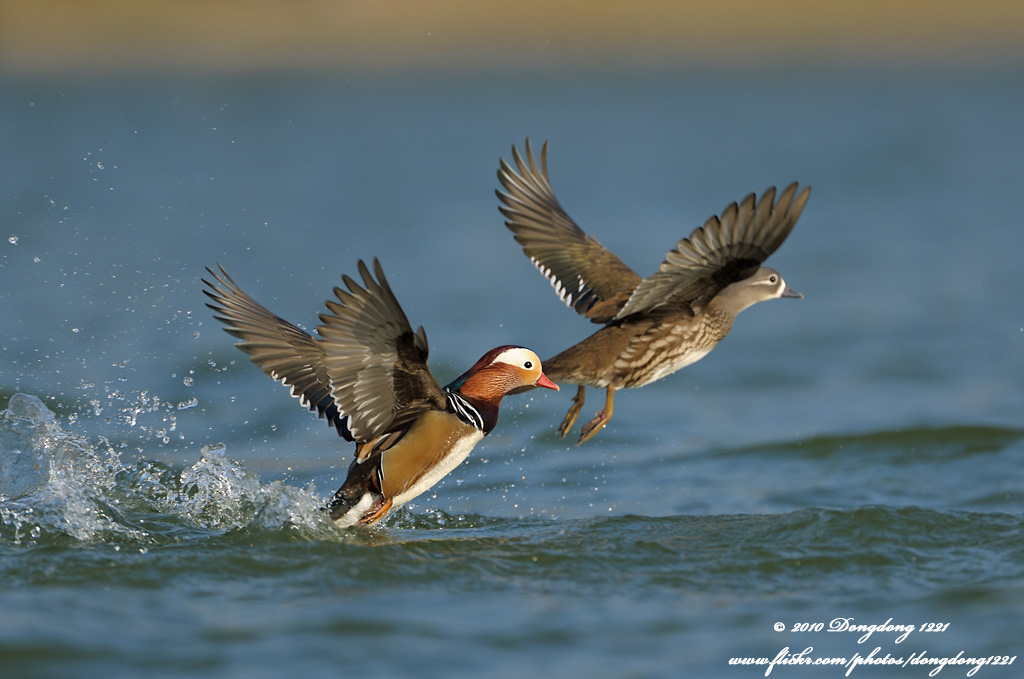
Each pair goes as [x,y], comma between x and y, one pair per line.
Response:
[656,325]
[367,375]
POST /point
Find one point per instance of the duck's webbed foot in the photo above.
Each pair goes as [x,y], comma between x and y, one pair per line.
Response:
[574,412]
[602,418]
[375,513]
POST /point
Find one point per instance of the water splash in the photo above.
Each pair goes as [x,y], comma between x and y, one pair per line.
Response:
[49,479]
[57,485]
[218,493]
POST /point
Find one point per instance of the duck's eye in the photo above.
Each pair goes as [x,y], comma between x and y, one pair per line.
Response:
[528,365]
[773,279]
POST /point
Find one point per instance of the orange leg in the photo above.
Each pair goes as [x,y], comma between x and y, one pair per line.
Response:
[574,412]
[602,418]
[374,515]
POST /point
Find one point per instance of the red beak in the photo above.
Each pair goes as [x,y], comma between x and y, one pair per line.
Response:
[543,381]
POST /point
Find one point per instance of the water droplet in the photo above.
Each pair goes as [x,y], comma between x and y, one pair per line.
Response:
[36,260]
[188,381]
[13,240]
[190,403]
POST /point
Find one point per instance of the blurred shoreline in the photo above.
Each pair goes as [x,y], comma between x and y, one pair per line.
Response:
[52,36]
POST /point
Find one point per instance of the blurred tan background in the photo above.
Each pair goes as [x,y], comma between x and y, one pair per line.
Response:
[59,35]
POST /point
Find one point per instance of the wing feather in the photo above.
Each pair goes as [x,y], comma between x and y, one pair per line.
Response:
[376,363]
[367,374]
[283,351]
[585,275]
[727,248]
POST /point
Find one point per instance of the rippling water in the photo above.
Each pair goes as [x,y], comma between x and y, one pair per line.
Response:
[855,454]
[104,558]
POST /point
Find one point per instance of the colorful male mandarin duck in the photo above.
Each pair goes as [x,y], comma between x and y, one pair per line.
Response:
[656,325]
[367,375]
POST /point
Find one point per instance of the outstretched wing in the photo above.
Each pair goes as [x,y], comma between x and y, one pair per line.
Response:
[726,249]
[367,376]
[376,364]
[586,276]
[284,352]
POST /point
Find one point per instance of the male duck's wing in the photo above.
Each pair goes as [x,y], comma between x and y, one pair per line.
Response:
[284,352]
[376,364]
[586,276]
[726,249]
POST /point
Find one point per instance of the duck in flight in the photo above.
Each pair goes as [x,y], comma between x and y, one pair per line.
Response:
[367,375]
[651,327]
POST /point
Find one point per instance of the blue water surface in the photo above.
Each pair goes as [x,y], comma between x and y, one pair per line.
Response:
[854,454]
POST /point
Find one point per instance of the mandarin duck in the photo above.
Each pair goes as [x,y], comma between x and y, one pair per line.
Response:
[652,326]
[367,376]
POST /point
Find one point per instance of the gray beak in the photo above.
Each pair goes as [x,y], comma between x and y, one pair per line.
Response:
[790,292]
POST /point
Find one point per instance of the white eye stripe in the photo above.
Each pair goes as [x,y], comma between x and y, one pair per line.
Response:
[518,356]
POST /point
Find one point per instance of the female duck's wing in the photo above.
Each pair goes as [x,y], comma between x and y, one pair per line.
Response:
[376,364]
[284,352]
[726,249]
[586,276]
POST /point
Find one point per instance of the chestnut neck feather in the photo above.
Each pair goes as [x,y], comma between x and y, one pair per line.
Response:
[490,383]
